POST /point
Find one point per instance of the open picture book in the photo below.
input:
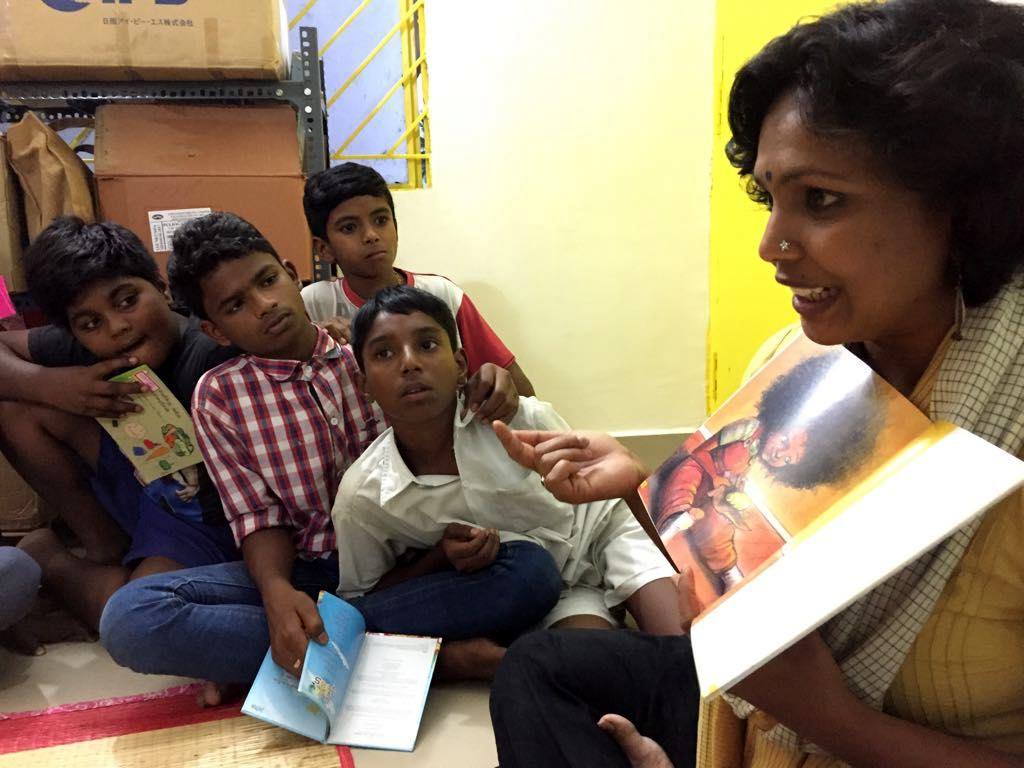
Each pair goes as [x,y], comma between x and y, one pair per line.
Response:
[361,689]
[811,485]
[161,439]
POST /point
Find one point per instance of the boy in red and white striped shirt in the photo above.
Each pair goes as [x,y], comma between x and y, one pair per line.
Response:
[351,215]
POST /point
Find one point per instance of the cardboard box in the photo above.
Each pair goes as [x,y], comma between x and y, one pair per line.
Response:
[12,225]
[143,40]
[163,158]
[20,508]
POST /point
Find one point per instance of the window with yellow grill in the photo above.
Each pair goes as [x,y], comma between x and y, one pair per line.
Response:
[375,80]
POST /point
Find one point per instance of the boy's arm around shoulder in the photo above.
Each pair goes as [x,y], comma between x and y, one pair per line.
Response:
[523,385]
[78,389]
[483,345]
[292,616]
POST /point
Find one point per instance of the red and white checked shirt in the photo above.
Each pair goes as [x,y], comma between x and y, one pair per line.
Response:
[277,435]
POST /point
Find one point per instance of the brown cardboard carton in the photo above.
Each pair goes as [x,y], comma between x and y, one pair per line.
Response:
[12,225]
[142,40]
[20,508]
[158,159]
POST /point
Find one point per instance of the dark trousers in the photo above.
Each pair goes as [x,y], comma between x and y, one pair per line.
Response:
[553,686]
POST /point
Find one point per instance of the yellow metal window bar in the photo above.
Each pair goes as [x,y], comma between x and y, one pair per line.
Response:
[413,144]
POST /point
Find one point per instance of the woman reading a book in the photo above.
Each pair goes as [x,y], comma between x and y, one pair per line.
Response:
[887,142]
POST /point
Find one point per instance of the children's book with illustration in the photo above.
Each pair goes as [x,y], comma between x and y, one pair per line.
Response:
[161,439]
[812,484]
[361,689]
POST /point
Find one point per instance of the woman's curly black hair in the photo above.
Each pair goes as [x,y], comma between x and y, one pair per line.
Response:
[936,90]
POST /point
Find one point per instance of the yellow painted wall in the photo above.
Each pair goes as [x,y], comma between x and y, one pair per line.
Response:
[571,169]
[746,305]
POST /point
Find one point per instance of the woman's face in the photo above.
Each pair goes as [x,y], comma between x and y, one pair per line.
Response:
[866,259]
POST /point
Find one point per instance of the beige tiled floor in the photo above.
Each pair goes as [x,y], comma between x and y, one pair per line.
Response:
[456,729]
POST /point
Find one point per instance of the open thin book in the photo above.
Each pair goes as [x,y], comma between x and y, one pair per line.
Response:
[811,485]
[361,689]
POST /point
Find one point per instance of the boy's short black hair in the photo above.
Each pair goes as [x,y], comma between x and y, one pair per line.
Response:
[69,255]
[201,245]
[400,300]
[328,189]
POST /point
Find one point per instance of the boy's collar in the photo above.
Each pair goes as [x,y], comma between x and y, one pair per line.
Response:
[358,301]
[326,348]
[395,475]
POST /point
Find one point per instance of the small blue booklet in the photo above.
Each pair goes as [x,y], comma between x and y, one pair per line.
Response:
[361,689]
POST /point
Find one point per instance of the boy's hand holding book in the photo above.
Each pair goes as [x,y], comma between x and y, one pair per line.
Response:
[690,605]
[85,391]
[576,467]
[293,620]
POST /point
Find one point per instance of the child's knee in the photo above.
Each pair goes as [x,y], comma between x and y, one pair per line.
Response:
[127,623]
[531,570]
[31,430]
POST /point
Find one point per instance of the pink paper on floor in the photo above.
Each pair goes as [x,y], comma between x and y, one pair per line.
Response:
[6,305]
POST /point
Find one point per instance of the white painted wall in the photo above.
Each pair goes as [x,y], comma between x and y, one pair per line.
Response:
[571,162]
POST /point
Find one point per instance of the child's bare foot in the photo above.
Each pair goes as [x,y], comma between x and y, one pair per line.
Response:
[42,545]
[475,659]
[641,751]
[81,586]
[215,694]
[19,639]
[43,627]
[47,622]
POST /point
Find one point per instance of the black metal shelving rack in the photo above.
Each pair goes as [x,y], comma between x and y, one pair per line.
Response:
[304,91]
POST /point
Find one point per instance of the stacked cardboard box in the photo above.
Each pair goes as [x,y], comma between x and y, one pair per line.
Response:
[20,508]
[81,40]
[157,163]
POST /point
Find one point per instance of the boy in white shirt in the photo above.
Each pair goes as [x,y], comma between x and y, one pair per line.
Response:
[438,481]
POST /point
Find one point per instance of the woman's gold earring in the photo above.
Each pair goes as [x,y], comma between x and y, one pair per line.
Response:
[959,313]
[959,305]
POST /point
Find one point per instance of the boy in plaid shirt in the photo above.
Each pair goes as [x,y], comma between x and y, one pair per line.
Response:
[278,426]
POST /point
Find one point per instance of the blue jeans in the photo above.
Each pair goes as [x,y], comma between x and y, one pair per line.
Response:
[209,622]
[19,584]
[512,594]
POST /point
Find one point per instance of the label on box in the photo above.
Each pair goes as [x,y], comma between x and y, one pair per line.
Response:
[163,225]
